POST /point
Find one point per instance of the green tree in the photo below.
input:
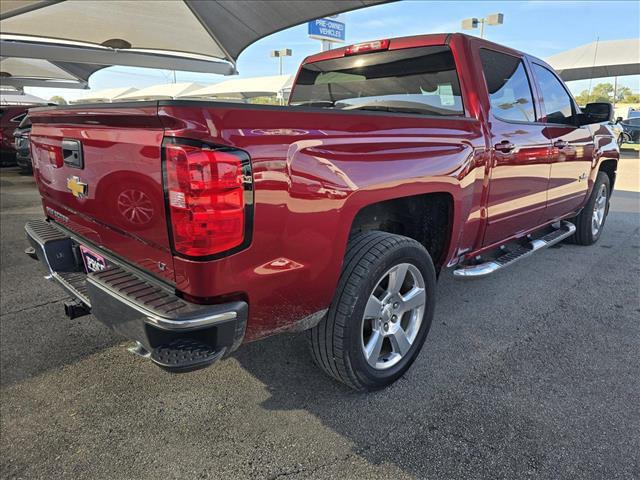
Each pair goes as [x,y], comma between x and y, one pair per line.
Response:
[58,99]
[583,97]
[622,92]
[603,92]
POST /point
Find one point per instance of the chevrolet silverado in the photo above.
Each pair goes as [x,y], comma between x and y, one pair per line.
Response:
[192,227]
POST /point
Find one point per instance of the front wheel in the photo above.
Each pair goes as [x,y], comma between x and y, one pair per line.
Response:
[590,222]
[381,312]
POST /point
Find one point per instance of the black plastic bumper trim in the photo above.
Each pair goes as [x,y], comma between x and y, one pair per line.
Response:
[129,303]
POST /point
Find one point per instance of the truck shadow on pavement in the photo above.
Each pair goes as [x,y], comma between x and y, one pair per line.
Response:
[449,415]
[506,385]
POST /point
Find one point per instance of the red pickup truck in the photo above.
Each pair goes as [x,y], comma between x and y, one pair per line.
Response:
[192,227]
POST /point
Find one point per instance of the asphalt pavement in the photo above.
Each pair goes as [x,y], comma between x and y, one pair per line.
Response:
[531,373]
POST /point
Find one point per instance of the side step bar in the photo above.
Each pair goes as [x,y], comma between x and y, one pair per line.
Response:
[480,270]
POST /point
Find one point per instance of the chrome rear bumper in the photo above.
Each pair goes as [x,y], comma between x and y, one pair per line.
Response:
[143,310]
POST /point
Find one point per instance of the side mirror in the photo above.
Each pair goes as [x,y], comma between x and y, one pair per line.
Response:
[618,119]
[598,112]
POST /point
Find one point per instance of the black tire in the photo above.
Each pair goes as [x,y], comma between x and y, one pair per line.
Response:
[336,342]
[584,233]
[620,140]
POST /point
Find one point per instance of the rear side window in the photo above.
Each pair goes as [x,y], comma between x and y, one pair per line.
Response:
[415,80]
[558,106]
[509,89]
[18,118]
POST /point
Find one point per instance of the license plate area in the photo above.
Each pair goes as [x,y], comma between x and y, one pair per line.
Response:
[93,262]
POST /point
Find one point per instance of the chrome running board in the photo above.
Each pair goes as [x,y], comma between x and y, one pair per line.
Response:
[480,270]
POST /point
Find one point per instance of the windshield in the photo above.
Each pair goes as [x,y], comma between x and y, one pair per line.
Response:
[414,80]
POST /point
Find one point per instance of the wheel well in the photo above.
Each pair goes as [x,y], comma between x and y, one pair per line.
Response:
[609,167]
[426,218]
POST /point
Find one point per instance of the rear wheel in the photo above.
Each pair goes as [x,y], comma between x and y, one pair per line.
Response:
[590,222]
[381,313]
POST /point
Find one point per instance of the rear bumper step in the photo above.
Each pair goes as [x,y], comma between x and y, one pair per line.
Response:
[566,229]
[179,335]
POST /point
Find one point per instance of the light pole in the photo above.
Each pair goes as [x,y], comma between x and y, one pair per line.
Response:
[493,19]
[285,52]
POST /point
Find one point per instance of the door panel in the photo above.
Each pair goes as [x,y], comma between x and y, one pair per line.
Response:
[572,146]
[520,155]
[519,180]
[571,159]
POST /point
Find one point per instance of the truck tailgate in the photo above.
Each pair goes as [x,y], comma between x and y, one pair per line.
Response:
[99,171]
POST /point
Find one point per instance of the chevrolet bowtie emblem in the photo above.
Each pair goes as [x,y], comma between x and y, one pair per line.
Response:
[76,187]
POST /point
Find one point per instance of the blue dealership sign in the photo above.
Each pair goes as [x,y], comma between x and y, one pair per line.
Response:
[327,29]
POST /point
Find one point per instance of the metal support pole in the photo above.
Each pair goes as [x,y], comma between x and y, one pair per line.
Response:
[482,28]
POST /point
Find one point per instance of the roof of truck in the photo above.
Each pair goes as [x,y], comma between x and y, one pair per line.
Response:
[413,41]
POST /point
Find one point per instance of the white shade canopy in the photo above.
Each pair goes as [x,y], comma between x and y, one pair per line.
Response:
[167,91]
[145,33]
[9,97]
[105,96]
[611,58]
[242,88]
[35,72]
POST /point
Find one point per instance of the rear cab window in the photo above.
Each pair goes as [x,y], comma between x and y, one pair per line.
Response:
[420,80]
[510,95]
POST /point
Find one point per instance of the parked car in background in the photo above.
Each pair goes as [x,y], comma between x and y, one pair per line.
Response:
[192,227]
[616,130]
[21,144]
[10,118]
[633,113]
[631,129]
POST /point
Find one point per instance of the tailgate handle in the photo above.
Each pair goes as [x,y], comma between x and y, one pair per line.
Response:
[72,153]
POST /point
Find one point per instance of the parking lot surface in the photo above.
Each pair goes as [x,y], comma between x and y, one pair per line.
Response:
[534,372]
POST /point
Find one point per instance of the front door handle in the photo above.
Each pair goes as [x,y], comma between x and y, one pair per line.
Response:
[504,146]
[560,144]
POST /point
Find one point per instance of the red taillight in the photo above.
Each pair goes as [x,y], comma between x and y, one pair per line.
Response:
[206,199]
[367,47]
[55,156]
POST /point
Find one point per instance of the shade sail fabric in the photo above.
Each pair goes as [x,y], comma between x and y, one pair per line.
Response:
[8,97]
[611,58]
[34,72]
[60,51]
[105,96]
[242,88]
[215,29]
[161,92]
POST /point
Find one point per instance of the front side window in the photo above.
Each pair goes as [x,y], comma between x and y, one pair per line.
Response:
[414,80]
[509,90]
[558,106]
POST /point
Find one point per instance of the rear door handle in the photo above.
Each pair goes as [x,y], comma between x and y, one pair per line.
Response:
[560,144]
[504,146]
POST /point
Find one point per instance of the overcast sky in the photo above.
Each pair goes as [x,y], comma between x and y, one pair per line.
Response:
[541,28]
